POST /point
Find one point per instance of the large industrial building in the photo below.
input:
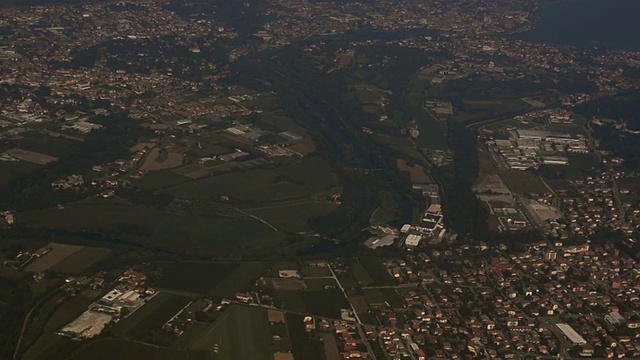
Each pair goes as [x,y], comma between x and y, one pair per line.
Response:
[571,334]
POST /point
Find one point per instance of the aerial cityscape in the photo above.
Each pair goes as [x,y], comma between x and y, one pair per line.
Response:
[319,179]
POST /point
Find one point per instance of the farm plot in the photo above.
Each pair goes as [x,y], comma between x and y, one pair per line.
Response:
[524,182]
[241,332]
[109,349]
[377,271]
[197,277]
[213,279]
[80,260]
[58,253]
[416,172]
[32,157]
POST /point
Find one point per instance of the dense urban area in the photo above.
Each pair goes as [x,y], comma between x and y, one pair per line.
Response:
[314,180]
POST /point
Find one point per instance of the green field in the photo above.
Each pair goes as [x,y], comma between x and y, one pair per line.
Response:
[580,166]
[240,279]
[376,269]
[523,182]
[394,299]
[303,346]
[222,280]
[150,316]
[198,277]
[169,229]
[159,179]
[81,260]
[293,216]
[110,349]
[52,346]
[325,303]
[12,169]
[241,332]
[48,145]
[298,180]
[192,333]
[319,284]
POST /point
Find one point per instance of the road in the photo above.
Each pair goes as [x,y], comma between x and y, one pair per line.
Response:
[616,194]
[355,314]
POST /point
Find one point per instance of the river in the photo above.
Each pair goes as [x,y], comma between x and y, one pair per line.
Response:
[589,23]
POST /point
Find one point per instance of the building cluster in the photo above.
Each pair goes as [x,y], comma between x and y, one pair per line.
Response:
[187,316]
[347,336]
[554,300]
[7,218]
[23,258]
[71,181]
[129,294]
[527,149]
[430,227]
[597,202]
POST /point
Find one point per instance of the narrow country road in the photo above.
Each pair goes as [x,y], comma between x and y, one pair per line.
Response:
[25,323]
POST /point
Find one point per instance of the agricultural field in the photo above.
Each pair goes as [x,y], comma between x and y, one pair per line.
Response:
[68,259]
[299,180]
[416,172]
[325,303]
[241,332]
[303,347]
[580,166]
[109,349]
[50,346]
[220,280]
[377,271]
[80,260]
[53,146]
[523,182]
[368,95]
[393,298]
[169,229]
[315,271]
[10,170]
[150,316]
[197,277]
[320,284]
[292,216]
[158,179]
[32,157]
[360,274]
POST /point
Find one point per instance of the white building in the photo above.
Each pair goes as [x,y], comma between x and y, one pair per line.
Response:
[571,334]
